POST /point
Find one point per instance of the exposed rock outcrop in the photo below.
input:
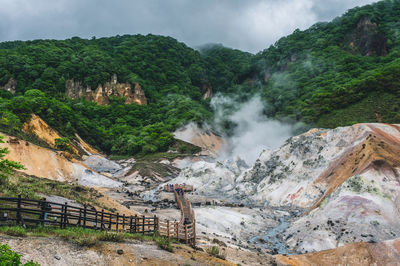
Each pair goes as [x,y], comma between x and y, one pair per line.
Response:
[208,94]
[10,86]
[38,127]
[46,163]
[75,90]
[366,39]
[41,129]
[207,140]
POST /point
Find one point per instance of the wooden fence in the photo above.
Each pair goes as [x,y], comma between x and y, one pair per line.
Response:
[178,230]
[33,212]
[28,212]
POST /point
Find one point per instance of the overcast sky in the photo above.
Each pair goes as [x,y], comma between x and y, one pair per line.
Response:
[249,25]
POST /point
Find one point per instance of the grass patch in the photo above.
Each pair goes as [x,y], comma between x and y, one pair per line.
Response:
[83,236]
[13,231]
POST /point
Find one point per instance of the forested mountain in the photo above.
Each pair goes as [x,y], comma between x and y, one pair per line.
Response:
[173,77]
[337,73]
[332,74]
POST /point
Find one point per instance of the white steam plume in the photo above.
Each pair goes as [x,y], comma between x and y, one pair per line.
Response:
[254,132]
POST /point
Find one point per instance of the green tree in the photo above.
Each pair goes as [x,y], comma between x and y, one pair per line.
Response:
[6,166]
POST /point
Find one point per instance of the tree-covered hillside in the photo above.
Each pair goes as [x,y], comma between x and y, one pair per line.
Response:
[172,75]
[337,73]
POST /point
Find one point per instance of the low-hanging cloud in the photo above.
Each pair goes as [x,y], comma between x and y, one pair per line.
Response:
[250,25]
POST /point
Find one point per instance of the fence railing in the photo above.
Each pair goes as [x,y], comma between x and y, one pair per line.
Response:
[33,212]
[178,230]
[29,212]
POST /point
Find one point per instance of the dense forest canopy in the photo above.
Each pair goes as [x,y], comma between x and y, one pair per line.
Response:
[332,74]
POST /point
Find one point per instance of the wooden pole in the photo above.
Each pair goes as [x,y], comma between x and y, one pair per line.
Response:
[168,229]
[102,220]
[65,215]
[80,216]
[84,216]
[62,217]
[143,224]
[186,234]
[194,232]
[19,210]
[157,220]
[95,219]
[117,220]
[130,224]
[123,222]
[135,223]
[176,228]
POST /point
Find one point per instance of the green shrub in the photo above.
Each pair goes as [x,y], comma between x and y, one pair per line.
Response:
[214,251]
[63,144]
[164,243]
[11,258]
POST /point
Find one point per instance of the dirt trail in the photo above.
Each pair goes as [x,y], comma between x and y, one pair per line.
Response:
[57,252]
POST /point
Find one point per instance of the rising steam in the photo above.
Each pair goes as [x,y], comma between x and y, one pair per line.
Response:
[253,133]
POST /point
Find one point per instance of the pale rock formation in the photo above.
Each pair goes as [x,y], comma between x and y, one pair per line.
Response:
[210,143]
[101,94]
[10,86]
[208,92]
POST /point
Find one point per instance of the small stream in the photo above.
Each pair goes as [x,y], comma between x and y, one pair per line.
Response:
[271,240]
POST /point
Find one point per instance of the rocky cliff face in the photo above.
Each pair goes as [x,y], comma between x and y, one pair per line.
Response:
[367,40]
[75,90]
[10,86]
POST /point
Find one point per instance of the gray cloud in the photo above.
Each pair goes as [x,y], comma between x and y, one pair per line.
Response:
[250,25]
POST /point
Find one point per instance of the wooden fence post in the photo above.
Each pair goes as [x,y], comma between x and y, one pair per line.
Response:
[102,220]
[65,215]
[117,221]
[123,222]
[130,224]
[168,229]
[176,228]
[19,209]
[95,218]
[84,216]
[194,232]
[110,222]
[144,218]
[186,234]
[135,224]
[156,224]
